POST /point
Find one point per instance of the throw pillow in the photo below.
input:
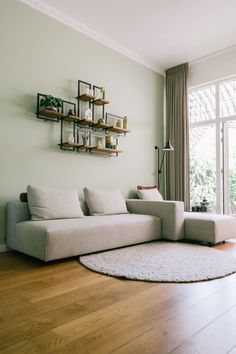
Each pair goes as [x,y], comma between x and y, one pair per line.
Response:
[53,203]
[147,187]
[104,202]
[149,193]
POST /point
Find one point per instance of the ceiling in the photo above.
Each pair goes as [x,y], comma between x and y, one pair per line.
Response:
[158,33]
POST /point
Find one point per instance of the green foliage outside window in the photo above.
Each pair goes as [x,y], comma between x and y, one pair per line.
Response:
[202,182]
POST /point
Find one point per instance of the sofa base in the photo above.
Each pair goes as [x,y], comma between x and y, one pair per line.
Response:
[55,239]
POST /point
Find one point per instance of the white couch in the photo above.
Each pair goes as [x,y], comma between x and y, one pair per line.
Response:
[146,221]
[54,239]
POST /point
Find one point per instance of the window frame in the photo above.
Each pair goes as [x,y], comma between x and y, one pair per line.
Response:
[219,123]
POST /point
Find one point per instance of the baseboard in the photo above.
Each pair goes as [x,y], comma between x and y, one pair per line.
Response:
[3,248]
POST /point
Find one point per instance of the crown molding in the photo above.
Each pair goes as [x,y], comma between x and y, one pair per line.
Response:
[228,51]
[50,11]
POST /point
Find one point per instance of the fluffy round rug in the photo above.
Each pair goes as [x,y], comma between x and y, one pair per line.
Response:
[163,262]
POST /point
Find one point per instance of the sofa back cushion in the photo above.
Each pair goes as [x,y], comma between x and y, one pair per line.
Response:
[53,203]
[104,202]
[149,193]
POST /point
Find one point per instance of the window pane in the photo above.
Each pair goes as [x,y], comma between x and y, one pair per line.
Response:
[202,105]
[203,166]
[227,92]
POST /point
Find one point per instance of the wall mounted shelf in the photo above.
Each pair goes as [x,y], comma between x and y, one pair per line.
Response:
[86,97]
[71,118]
[86,122]
[72,145]
[99,134]
[118,130]
[50,114]
[100,102]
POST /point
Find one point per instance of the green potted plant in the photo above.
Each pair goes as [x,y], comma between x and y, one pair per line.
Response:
[50,102]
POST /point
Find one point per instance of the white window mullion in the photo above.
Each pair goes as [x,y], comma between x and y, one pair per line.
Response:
[219,170]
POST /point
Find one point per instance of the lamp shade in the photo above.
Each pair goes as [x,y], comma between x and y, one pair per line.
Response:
[168,146]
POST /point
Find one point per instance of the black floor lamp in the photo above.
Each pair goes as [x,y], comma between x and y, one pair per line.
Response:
[167,147]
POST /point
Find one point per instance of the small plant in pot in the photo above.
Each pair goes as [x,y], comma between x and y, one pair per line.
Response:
[50,102]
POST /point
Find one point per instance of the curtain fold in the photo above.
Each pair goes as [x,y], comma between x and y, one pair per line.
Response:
[177,172]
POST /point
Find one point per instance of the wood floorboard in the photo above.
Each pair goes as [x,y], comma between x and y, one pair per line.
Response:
[62,307]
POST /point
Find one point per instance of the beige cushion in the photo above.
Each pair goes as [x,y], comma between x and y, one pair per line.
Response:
[150,194]
[53,203]
[104,202]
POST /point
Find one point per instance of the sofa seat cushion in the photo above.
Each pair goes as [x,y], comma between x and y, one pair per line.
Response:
[54,239]
[212,228]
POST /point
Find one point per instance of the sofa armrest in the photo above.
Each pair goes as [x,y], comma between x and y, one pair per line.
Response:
[170,212]
[16,212]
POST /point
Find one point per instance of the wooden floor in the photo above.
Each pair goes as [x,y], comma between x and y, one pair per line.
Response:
[64,308]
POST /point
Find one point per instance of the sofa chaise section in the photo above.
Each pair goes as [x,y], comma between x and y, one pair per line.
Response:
[209,228]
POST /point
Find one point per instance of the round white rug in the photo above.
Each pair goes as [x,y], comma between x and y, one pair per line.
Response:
[163,262]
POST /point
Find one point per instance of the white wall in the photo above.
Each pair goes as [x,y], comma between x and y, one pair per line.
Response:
[39,54]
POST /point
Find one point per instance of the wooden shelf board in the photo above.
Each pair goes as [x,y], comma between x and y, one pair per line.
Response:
[102,125]
[119,130]
[90,147]
[50,114]
[100,102]
[86,97]
[74,145]
[86,122]
[107,150]
[71,118]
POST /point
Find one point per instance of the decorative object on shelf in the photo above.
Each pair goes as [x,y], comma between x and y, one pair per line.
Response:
[88,114]
[167,148]
[87,91]
[100,143]
[101,121]
[109,141]
[85,138]
[119,124]
[71,112]
[71,139]
[125,123]
[51,103]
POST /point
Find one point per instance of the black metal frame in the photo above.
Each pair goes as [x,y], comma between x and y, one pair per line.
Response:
[79,94]
[103,97]
[62,123]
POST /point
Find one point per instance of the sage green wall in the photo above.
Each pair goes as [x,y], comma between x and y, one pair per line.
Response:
[39,54]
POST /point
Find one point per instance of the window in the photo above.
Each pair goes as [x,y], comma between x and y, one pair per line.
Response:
[211,108]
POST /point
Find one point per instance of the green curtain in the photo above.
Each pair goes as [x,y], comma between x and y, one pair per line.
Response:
[177,166]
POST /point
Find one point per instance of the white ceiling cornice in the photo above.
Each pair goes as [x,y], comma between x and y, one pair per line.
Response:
[80,27]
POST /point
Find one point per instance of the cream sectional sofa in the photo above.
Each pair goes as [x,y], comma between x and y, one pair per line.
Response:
[54,239]
[37,229]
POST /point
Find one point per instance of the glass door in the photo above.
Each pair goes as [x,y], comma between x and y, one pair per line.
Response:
[229,168]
